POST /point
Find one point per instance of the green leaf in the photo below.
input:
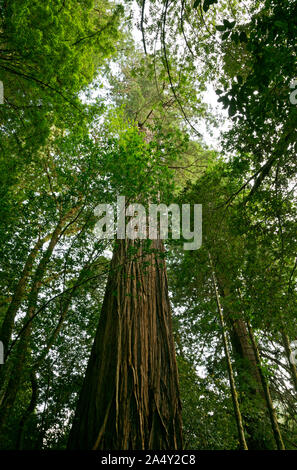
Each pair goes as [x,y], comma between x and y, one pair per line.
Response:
[232,109]
[243,37]
[196,3]
[281,24]
[206,6]
[226,35]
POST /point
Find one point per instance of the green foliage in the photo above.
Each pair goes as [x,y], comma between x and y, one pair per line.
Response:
[63,151]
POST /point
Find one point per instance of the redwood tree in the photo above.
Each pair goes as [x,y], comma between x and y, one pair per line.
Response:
[130,396]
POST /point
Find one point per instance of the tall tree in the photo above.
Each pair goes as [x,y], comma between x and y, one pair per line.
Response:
[130,397]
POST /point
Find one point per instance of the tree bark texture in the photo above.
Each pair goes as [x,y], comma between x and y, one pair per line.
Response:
[130,396]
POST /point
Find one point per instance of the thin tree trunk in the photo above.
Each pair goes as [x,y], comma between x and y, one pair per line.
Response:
[293,369]
[8,322]
[234,393]
[29,411]
[251,393]
[130,396]
[34,387]
[272,414]
[19,361]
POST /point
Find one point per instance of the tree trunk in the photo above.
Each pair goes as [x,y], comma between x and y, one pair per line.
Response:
[272,414]
[288,350]
[8,322]
[130,396]
[234,394]
[251,394]
[244,350]
[19,361]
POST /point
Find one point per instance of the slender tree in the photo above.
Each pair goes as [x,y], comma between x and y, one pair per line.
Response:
[237,412]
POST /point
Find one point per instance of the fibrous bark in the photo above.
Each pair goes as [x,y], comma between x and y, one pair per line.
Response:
[130,397]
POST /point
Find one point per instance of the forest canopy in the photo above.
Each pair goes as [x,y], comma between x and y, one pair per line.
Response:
[129,342]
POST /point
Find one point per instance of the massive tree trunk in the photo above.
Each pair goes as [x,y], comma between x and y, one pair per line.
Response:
[130,396]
